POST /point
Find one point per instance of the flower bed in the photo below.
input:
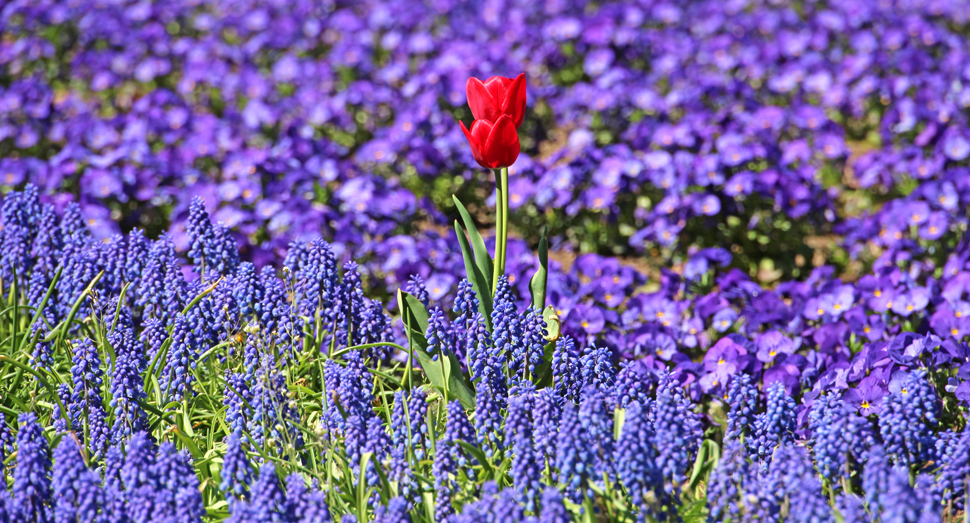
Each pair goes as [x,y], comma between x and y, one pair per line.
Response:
[248,272]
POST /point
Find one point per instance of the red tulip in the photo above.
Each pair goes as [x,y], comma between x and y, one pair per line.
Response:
[497,96]
[493,145]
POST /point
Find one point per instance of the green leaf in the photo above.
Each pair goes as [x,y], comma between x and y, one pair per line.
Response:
[414,314]
[482,258]
[553,323]
[475,275]
[538,283]
[475,452]
[707,458]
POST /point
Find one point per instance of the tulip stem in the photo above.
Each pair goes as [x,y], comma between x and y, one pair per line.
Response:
[501,223]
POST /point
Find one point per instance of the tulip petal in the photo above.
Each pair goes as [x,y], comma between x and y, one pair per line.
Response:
[498,86]
[483,105]
[502,147]
[514,102]
[474,141]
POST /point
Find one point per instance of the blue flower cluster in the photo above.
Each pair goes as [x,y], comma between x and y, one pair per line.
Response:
[136,379]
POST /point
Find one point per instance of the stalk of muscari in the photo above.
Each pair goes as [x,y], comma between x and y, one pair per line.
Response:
[678,432]
[350,307]
[237,470]
[237,394]
[596,368]
[491,390]
[200,232]
[545,424]
[374,327]
[875,480]
[18,227]
[68,467]
[506,329]
[275,418]
[775,426]
[442,468]
[176,379]
[596,418]
[267,501]
[137,477]
[91,498]
[850,507]
[396,511]
[317,287]
[525,470]
[86,409]
[400,463]
[907,421]
[727,491]
[458,428]
[742,398]
[827,422]
[176,486]
[127,387]
[156,283]
[629,386]
[111,258]
[574,457]
[135,258]
[6,441]
[115,502]
[31,486]
[60,418]
[565,370]
[635,460]
[527,352]
[377,443]
[805,501]
[955,472]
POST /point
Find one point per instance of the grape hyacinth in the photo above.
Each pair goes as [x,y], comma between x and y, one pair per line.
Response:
[86,409]
[775,426]
[31,495]
[525,468]
[677,432]
[907,419]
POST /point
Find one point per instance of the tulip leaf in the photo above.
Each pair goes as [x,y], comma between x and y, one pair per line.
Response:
[707,459]
[477,278]
[482,258]
[553,323]
[538,283]
[414,314]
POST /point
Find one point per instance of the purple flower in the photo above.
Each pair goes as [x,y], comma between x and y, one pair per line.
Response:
[720,363]
[867,397]
[771,344]
[724,319]
[586,318]
[913,300]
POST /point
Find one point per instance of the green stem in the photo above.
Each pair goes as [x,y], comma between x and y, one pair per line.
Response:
[498,228]
[505,218]
[444,375]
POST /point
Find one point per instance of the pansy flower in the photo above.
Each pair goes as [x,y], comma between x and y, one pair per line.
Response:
[772,344]
[866,397]
[911,301]
[724,319]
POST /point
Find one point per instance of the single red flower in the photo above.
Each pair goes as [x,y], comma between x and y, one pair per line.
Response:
[493,145]
[497,96]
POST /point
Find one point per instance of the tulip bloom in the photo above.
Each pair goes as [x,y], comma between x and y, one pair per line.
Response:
[496,96]
[494,145]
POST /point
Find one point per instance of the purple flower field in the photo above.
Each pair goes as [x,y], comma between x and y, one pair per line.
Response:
[473,262]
